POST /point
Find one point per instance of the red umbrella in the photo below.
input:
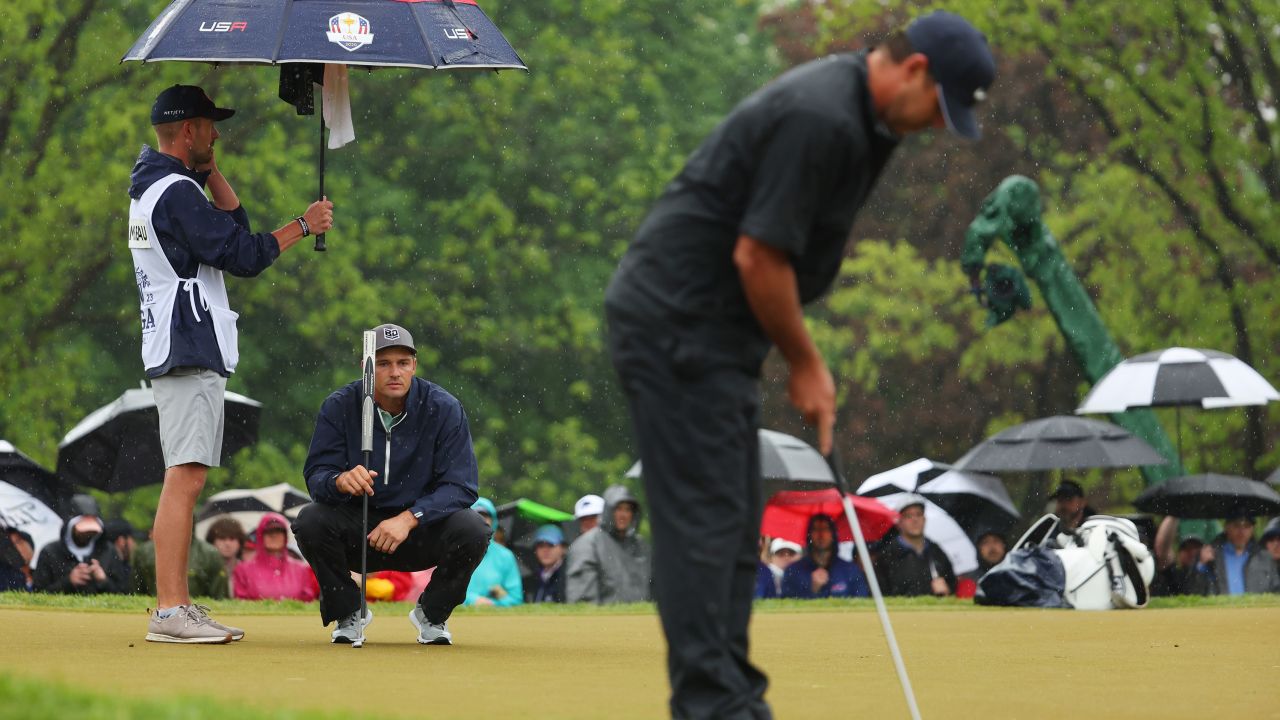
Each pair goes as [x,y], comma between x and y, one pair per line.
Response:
[787,514]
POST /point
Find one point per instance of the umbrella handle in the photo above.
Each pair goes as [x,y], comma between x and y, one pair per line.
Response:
[320,246]
[865,556]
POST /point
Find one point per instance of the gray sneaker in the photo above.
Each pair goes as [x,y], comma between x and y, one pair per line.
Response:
[430,633]
[186,625]
[236,633]
[349,629]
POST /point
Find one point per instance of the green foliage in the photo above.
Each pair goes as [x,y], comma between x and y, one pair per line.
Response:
[1167,213]
[484,212]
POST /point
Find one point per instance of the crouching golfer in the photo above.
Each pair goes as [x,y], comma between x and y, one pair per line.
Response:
[420,495]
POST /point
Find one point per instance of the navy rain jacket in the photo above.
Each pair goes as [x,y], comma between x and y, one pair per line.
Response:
[433,469]
[192,231]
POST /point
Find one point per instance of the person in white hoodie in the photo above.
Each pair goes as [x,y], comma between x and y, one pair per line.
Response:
[81,562]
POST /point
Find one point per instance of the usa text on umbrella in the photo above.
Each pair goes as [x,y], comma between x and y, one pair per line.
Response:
[303,35]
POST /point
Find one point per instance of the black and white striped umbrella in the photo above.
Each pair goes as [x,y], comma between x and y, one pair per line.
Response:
[1178,376]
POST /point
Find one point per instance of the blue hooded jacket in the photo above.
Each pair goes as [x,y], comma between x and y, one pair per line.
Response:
[433,468]
[497,567]
[192,232]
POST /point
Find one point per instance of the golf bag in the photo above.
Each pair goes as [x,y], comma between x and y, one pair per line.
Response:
[1099,566]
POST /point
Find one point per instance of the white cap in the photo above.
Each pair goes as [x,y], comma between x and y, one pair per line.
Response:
[906,500]
[587,506]
[781,544]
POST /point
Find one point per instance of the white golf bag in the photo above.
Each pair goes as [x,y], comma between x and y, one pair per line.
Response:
[1106,564]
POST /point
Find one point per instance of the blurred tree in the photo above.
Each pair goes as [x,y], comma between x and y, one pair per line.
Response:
[1152,130]
[483,212]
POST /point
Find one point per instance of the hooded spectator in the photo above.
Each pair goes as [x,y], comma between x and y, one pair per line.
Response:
[81,562]
[610,563]
[274,574]
[496,580]
[822,573]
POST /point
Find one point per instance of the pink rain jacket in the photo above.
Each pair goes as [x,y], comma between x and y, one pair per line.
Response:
[268,577]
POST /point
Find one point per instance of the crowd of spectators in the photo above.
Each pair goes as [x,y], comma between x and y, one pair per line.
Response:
[608,560]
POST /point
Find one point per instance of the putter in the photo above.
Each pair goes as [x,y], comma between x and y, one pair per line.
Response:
[366,444]
[833,461]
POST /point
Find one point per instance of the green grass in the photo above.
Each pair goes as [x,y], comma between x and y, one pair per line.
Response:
[140,604]
[24,699]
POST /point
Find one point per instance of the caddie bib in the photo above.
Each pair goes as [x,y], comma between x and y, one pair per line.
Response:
[159,286]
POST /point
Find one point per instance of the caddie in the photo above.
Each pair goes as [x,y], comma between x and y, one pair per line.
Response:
[182,242]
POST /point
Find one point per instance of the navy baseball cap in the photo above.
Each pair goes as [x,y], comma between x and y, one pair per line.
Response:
[183,102]
[961,63]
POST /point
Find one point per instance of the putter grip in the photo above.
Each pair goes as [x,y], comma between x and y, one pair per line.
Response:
[366,415]
[320,246]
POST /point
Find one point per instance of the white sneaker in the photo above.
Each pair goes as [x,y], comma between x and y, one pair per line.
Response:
[236,633]
[348,630]
[186,625]
[430,633]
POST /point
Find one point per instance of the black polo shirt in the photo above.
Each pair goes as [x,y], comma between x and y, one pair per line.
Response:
[790,166]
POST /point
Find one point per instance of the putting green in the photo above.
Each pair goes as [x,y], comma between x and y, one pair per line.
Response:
[1192,662]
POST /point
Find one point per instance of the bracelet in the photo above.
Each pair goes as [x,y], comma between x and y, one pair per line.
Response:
[306,229]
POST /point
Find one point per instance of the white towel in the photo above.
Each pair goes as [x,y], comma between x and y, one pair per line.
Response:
[337,106]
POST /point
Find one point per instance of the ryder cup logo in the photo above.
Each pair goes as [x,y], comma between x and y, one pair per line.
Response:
[349,31]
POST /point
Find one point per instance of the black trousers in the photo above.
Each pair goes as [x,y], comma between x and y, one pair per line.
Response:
[695,423]
[329,538]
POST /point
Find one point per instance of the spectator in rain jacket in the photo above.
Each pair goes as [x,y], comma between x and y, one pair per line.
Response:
[821,572]
[81,563]
[1234,563]
[273,574]
[496,580]
[545,583]
[610,563]
[907,563]
[206,575]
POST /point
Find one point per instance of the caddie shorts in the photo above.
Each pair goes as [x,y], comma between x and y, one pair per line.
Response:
[190,402]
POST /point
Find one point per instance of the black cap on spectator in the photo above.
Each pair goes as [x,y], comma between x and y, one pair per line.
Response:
[1068,489]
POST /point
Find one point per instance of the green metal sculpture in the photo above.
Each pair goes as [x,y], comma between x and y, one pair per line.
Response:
[1011,213]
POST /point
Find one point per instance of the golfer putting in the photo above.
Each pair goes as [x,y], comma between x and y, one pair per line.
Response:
[754,226]
[417,500]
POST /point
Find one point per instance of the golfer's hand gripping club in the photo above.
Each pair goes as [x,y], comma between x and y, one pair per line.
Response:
[356,481]
[813,392]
